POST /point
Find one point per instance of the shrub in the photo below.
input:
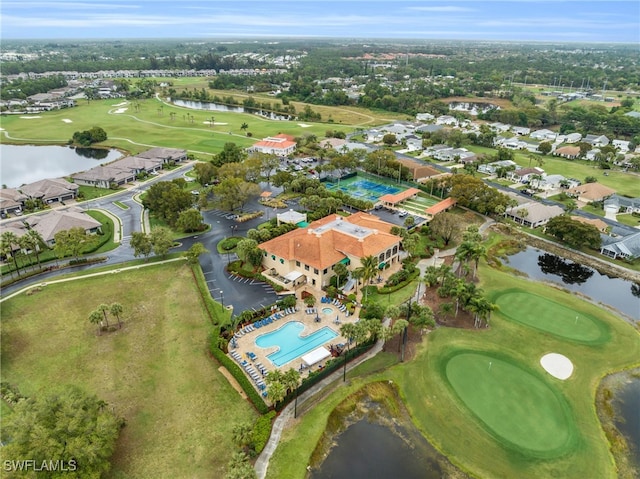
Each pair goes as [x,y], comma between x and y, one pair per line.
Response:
[228,244]
[390,289]
[237,373]
[262,431]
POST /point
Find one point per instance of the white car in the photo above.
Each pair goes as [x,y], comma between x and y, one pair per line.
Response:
[403,213]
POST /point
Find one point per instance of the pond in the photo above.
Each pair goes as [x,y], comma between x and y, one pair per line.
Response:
[23,164]
[618,293]
[626,402]
[209,106]
[367,450]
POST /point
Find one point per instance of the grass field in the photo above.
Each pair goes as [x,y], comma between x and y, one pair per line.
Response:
[483,436]
[517,406]
[155,371]
[152,125]
[552,317]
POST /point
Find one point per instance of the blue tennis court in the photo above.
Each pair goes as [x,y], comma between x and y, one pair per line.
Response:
[364,189]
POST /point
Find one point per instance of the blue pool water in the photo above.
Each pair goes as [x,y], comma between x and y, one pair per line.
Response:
[327,310]
[291,345]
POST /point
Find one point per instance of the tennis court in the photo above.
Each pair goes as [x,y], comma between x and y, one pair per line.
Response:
[364,189]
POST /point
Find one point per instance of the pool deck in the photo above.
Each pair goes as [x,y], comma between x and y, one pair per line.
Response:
[246,343]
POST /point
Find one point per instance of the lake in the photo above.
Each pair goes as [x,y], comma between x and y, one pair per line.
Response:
[209,106]
[618,293]
[23,164]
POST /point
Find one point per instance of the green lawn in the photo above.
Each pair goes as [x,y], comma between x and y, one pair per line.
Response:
[155,371]
[516,405]
[552,317]
[496,429]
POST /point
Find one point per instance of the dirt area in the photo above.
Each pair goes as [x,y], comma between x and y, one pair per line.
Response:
[234,384]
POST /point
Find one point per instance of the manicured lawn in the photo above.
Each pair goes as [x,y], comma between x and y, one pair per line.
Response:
[550,316]
[628,219]
[155,371]
[93,192]
[493,426]
[517,406]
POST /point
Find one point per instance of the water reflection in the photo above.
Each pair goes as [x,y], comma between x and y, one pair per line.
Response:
[367,450]
[570,272]
[93,153]
[618,293]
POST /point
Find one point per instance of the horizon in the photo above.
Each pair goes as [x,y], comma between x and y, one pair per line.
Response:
[523,21]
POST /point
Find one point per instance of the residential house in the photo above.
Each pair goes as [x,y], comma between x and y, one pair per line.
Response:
[279,145]
[413,144]
[453,154]
[621,145]
[596,140]
[54,190]
[309,255]
[499,127]
[591,154]
[428,128]
[425,117]
[104,176]
[591,192]
[491,168]
[334,143]
[572,138]
[50,223]
[167,155]
[543,135]
[570,152]
[533,214]
[446,120]
[627,248]
[11,201]
[139,164]
[597,222]
[521,130]
[523,175]
[623,204]
[554,182]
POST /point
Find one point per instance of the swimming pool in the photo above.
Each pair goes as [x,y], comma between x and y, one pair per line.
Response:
[291,345]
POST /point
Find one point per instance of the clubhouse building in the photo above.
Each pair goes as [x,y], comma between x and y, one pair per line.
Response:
[309,255]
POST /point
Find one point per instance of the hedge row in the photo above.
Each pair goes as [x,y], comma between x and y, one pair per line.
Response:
[213,308]
[262,431]
[392,289]
[239,375]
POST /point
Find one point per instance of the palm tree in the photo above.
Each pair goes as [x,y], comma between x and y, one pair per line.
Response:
[340,270]
[291,379]
[570,206]
[431,276]
[103,308]
[276,391]
[10,240]
[6,249]
[242,434]
[357,275]
[478,252]
[96,318]
[464,253]
[244,126]
[36,241]
[116,309]
[445,309]
[369,267]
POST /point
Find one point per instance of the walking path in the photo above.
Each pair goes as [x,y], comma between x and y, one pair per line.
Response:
[102,273]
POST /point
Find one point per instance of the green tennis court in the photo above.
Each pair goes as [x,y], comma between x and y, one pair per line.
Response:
[516,407]
[552,317]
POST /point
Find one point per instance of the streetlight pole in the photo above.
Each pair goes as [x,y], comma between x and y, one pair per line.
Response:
[222,297]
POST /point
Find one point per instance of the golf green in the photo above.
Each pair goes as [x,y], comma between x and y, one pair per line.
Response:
[552,317]
[519,409]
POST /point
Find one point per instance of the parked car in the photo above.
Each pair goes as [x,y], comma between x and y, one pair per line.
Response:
[403,213]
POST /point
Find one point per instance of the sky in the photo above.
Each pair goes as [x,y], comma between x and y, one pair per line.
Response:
[515,20]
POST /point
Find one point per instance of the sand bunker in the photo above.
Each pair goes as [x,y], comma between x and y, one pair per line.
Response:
[120,110]
[30,117]
[66,120]
[557,365]
[304,125]
[121,103]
